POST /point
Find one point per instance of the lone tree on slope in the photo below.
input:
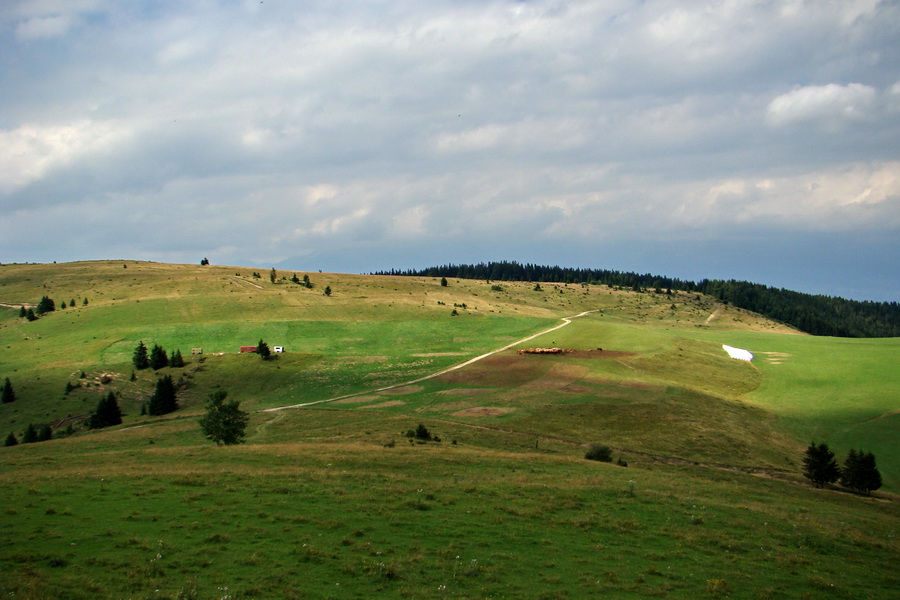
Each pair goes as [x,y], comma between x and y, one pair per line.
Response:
[31,435]
[140,359]
[224,422]
[262,349]
[107,413]
[7,394]
[819,465]
[164,400]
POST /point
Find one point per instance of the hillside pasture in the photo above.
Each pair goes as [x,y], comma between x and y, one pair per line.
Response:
[335,500]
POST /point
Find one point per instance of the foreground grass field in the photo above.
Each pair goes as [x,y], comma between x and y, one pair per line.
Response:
[357,520]
[334,501]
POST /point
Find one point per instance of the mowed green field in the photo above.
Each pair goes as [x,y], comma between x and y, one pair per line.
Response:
[333,500]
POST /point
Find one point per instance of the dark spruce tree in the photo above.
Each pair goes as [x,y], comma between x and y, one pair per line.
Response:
[176,360]
[422,433]
[29,314]
[107,413]
[262,349]
[7,394]
[30,436]
[165,399]
[819,465]
[158,358]
[46,305]
[11,440]
[140,359]
[859,472]
[22,312]
[224,422]
[45,433]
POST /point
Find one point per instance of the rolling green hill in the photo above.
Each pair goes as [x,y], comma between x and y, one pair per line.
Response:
[334,500]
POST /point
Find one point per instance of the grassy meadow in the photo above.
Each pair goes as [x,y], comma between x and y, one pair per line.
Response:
[333,500]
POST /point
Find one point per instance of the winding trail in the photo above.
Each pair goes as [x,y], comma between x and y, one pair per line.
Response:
[565,321]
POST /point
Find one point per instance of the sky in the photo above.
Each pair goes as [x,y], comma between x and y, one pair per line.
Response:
[734,139]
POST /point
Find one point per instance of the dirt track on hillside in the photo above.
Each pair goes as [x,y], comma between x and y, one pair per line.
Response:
[565,321]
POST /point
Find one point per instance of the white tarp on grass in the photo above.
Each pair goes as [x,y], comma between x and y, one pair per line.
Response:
[738,353]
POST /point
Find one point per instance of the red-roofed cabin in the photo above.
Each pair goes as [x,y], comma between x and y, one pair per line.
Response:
[248,348]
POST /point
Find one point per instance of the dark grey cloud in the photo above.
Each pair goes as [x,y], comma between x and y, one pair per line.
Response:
[356,132]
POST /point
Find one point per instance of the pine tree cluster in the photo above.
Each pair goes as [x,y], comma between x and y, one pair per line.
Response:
[858,473]
[156,358]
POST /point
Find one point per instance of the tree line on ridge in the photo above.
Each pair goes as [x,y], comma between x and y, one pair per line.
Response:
[815,314]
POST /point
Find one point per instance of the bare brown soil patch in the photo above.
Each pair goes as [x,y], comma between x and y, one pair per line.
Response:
[465,392]
[357,399]
[445,407]
[402,390]
[559,376]
[386,404]
[482,411]
[432,354]
[498,370]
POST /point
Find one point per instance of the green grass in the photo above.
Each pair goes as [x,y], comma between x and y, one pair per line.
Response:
[309,520]
[334,501]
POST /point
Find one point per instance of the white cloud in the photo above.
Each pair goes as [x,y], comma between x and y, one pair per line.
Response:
[29,153]
[851,197]
[43,27]
[831,105]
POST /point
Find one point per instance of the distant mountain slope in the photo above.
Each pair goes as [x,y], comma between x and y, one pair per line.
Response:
[815,314]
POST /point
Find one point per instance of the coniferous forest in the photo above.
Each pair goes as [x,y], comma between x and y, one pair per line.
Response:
[815,314]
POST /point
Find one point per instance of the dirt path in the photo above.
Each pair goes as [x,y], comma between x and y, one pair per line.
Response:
[565,321]
[715,314]
[240,281]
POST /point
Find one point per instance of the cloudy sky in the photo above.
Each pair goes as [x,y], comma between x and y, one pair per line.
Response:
[755,140]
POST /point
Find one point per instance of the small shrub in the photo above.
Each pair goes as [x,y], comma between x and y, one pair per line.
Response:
[718,587]
[599,452]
